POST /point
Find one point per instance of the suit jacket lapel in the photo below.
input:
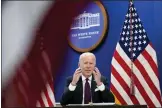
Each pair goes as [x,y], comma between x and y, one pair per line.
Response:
[93,86]
[80,88]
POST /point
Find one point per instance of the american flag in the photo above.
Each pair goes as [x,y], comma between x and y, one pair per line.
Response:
[24,86]
[32,83]
[35,75]
[134,73]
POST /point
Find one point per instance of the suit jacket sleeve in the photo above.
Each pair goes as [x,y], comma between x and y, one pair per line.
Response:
[67,95]
[106,95]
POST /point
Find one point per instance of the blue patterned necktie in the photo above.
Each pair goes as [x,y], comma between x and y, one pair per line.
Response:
[87,92]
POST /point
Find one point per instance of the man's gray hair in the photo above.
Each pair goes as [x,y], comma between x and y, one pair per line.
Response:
[86,54]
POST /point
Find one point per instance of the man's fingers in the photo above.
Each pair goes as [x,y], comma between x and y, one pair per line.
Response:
[97,70]
[78,69]
[94,72]
[77,73]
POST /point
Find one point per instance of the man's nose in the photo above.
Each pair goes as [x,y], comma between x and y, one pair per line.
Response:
[88,65]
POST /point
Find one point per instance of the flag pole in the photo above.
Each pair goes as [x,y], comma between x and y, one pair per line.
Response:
[132,86]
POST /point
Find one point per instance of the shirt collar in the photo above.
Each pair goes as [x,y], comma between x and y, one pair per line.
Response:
[84,78]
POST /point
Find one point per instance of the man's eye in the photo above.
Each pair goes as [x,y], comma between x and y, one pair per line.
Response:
[86,63]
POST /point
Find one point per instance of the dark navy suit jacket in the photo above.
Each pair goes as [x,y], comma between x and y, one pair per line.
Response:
[76,96]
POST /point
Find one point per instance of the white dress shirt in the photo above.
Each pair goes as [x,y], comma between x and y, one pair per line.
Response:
[72,87]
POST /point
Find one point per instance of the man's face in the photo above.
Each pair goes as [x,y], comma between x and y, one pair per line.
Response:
[87,65]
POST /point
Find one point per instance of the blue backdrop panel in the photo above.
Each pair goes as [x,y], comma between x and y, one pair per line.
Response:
[150,13]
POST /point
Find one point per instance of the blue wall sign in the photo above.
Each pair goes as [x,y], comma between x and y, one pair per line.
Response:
[88,28]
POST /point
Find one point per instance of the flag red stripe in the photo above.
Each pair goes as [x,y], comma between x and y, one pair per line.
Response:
[26,89]
[151,45]
[19,94]
[45,71]
[48,98]
[151,62]
[46,61]
[41,102]
[51,85]
[124,85]
[19,79]
[24,76]
[117,94]
[22,80]
[38,81]
[143,92]
[121,61]
[46,64]
[147,79]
